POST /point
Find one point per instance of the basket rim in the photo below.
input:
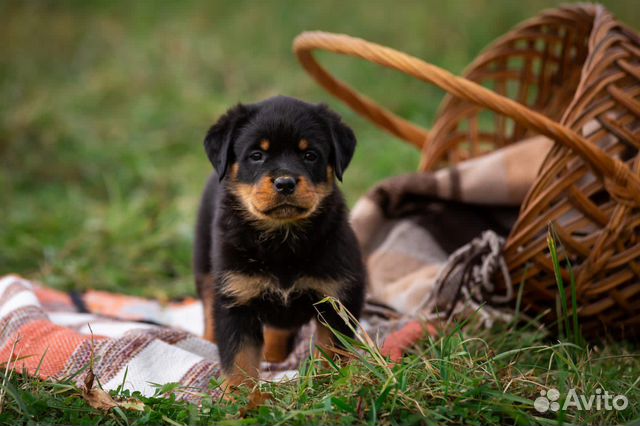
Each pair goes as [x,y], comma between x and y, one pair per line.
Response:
[620,177]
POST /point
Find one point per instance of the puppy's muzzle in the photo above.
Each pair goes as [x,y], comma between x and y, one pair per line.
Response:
[285,185]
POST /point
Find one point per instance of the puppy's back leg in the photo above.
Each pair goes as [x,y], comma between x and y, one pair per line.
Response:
[325,338]
[202,268]
[207,292]
[277,343]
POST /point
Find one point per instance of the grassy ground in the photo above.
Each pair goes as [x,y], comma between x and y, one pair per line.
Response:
[103,107]
[478,377]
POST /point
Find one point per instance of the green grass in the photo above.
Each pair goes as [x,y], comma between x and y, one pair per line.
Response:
[475,377]
[103,107]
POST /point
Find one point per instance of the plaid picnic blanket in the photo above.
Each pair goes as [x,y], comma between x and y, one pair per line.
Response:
[407,226]
[137,342]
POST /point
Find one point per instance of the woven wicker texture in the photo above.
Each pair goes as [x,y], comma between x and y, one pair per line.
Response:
[571,74]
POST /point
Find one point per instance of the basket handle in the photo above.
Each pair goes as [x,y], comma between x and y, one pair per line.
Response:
[397,126]
[625,182]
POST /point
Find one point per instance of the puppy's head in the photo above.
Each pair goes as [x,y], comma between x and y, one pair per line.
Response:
[280,157]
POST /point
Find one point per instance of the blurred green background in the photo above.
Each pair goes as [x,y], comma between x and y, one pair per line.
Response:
[104,105]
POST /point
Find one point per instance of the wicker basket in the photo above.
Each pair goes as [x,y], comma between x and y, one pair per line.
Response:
[572,74]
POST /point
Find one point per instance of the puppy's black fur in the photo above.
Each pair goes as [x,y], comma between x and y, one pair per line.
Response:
[272,236]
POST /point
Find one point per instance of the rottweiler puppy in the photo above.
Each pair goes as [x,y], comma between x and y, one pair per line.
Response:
[272,236]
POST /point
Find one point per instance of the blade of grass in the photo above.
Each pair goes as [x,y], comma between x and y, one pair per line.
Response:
[551,243]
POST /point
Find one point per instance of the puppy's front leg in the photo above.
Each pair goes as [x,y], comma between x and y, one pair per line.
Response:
[239,335]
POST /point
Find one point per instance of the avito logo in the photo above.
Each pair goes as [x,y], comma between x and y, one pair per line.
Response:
[602,400]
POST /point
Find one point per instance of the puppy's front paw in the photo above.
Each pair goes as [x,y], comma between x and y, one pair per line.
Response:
[256,399]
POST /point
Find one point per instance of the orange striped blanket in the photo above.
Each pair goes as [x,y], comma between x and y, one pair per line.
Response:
[134,342]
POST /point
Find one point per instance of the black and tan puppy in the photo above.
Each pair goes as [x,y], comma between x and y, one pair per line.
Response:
[272,236]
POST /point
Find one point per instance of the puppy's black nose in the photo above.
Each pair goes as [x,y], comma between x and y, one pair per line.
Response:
[285,185]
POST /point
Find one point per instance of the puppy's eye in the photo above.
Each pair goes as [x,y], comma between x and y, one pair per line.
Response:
[256,156]
[310,156]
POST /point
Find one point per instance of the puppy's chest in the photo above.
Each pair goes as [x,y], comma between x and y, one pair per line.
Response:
[244,288]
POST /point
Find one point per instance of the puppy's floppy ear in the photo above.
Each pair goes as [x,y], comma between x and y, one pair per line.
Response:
[218,143]
[342,139]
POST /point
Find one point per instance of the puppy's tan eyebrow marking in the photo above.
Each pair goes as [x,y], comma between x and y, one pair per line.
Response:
[264,144]
[303,145]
